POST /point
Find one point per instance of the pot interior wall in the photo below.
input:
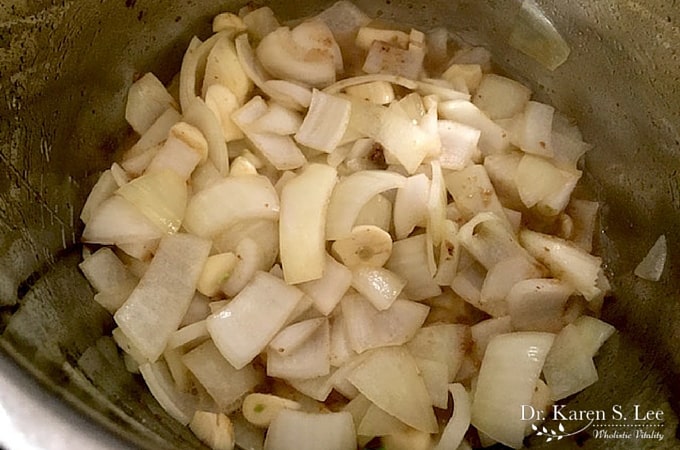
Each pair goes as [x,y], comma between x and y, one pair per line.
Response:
[64,73]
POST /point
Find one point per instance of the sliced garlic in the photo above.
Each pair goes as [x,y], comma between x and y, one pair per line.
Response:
[366,245]
[260,409]
[214,430]
[217,268]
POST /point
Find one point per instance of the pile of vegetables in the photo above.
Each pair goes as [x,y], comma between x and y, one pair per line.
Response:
[334,231]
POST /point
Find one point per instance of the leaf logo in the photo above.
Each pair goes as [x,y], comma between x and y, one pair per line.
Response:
[558,434]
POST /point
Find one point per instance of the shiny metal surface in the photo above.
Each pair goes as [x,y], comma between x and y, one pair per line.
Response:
[64,71]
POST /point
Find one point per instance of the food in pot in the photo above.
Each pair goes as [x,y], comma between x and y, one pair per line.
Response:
[335,231]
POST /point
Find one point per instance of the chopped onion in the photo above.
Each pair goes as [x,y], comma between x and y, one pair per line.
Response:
[473,192]
[260,22]
[538,304]
[493,139]
[389,378]
[325,122]
[377,212]
[238,329]
[509,372]
[158,303]
[327,291]
[249,197]
[225,384]
[291,337]
[410,260]
[117,221]
[351,194]
[377,422]
[108,275]
[435,375]
[380,286]
[500,97]
[566,261]
[310,359]
[203,118]
[593,332]
[459,144]
[138,157]
[455,430]
[147,100]
[193,65]
[568,368]
[385,57]
[330,431]
[410,205]
[366,35]
[534,35]
[179,405]
[442,342]
[345,83]
[368,327]
[652,265]
[378,92]
[304,203]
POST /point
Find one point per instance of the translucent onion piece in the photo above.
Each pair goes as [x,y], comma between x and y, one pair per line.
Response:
[302,223]
[442,342]
[325,122]
[652,265]
[377,212]
[500,97]
[389,378]
[256,72]
[593,332]
[377,422]
[198,114]
[410,205]
[410,261]
[538,304]
[310,359]
[278,120]
[459,144]
[368,327]
[455,429]
[224,383]
[378,92]
[147,100]
[238,329]
[260,409]
[117,221]
[568,368]
[249,197]
[137,158]
[351,194]
[436,205]
[345,83]
[509,372]
[501,278]
[291,337]
[534,35]
[327,291]
[157,305]
[380,286]
[330,431]
[260,22]
[184,149]
[566,261]
[473,192]
[493,139]
[366,36]
[436,375]
[193,67]
[106,273]
[384,57]
[179,405]
[104,188]
[250,257]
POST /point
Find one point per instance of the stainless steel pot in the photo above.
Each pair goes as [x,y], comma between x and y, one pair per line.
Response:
[65,67]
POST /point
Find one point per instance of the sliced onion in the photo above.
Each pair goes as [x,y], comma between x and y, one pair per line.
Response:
[117,221]
[238,329]
[157,305]
[493,139]
[410,260]
[327,291]
[652,265]
[147,100]
[538,304]
[291,337]
[345,83]
[332,431]
[534,35]
[351,194]
[455,429]
[389,378]
[304,203]
[325,122]
[380,286]
[377,422]
[223,67]
[410,205]
[198,114]
[507,377]
[193,66]
[179,405]
[568,368]
[473,192]
[310,359]
[224,383]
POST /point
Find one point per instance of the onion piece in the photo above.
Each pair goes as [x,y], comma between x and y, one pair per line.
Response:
[376,422]
[198,114]
[250,197]
[436,205]
[493,138]
[408,440]
[184,149]
[108,275]
[304,204]
[593,332]
[459,144]
[378,92]
[193,66]
[410,205]
[291,337]
[377,212]
[103,189]
[652,265]
[325,123]
[310,359]
[533,130]
[250,258]
[385,57]
[278,120]
[138,157]
[345,83]
[566,261]
[442,342]
[380,286]
[157,305]
[470,74]
[501,278]
[389,378]
[366,35]
[260,22]
[449,255]
[351,194]
[435,375]
[147,100]
[368,328]
[330,431]
[473,192]
[455,429]
[225,384]
[327,291]
[188,336]
[500,97]
[256,72]
[482,333]
[410,260]
[509,372]
[534,35]
[238,329]
[538,304]
[568,368]
[179,405]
